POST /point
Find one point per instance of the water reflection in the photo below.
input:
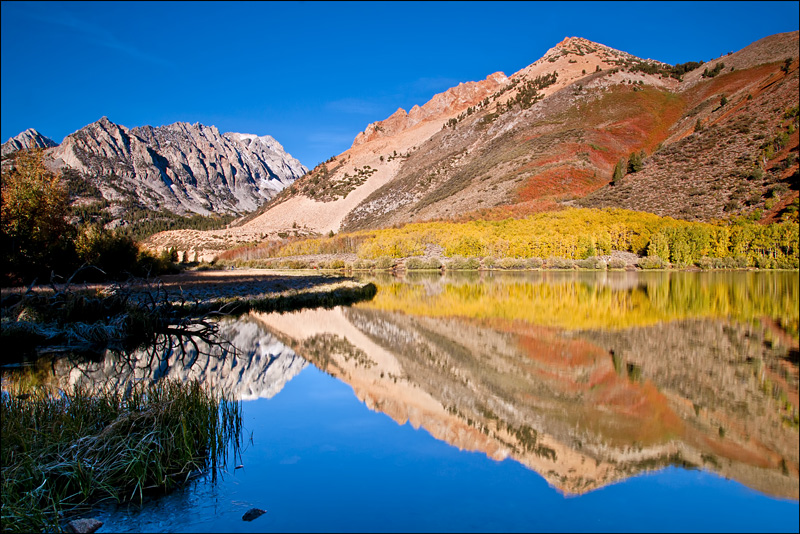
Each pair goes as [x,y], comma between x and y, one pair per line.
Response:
[242,359]
[586,378]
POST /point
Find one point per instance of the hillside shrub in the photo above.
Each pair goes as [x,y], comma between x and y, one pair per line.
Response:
[384,263]
[619,172]
[423,264]
[559,263]
[616,263]
[724,263]
[333,264]
[363,265]
[651,262]
[511,263]
[534,263]
[591,263]
[294,264]
[459,263]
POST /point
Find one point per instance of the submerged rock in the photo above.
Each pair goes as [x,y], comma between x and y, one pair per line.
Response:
[83,526]
[253,513]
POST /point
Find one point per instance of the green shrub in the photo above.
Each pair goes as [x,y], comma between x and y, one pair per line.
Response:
[363,265]
[384,263]
[723,263]
[651,262]
[534,263]
[511,264]
[616,263]
[459,263]
[705,263]
[422,264]
[559,263]
[591,263]
[148,265]
[765,262]
[114,253]
[293,264]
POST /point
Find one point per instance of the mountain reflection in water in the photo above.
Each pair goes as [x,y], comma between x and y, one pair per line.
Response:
[246,361]
[585,378]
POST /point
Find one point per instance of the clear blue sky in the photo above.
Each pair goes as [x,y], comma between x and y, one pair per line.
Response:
[314,74]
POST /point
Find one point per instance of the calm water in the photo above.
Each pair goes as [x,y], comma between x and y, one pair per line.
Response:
[514,402]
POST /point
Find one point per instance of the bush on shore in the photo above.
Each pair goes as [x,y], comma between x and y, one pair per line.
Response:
[38,243]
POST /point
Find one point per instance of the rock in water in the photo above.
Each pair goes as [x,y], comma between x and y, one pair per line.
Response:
[83,526]
[253,513]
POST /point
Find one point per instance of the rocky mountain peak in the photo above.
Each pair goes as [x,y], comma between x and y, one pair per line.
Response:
[440,107]
[580,46]
[30,138]
[181,167]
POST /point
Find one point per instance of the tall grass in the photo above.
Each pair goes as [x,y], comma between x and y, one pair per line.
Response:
[62,451]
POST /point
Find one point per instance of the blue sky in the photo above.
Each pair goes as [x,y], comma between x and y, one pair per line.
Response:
[314,74]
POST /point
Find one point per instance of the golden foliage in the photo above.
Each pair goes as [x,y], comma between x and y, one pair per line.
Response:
[564,301]
[573,233]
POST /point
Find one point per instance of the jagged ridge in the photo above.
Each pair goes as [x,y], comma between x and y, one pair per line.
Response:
[30,138]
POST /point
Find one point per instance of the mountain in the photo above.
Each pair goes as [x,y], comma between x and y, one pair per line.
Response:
[716,140]
[181,168]
[30,138]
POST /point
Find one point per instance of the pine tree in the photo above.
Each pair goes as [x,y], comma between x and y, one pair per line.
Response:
[619,172]
[636,162]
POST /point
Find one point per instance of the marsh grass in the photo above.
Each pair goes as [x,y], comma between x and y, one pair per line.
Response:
[63,451]
[330,296]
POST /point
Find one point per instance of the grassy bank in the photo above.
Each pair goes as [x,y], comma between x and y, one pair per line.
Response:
[64,451]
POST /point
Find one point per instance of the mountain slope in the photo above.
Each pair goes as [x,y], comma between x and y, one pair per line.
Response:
[551,134]
[534,144]
[735,148]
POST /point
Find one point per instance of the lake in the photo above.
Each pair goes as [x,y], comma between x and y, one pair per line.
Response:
[537,401]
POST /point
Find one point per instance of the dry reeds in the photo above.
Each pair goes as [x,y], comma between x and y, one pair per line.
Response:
[63,451]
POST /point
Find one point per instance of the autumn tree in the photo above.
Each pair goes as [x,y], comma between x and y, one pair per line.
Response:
[35,236]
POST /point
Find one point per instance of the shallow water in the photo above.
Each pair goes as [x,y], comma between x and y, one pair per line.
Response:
[499,402]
